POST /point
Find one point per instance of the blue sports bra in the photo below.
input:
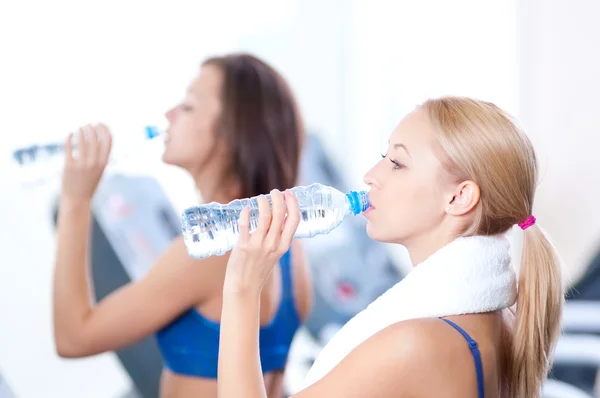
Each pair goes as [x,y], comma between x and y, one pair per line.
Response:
[476,356]
[190,344]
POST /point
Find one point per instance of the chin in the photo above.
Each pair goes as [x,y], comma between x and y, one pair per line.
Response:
[169,159]
[373,233]
[381,236]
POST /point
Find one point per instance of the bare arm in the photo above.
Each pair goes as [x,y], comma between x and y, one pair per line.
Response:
[303,286]
[240,373]
[175,283]
[303,301]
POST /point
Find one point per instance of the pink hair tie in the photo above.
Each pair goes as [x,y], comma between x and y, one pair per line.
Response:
[527,223]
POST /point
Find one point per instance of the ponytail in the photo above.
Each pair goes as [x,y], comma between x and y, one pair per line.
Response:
[538,317]
[482,143]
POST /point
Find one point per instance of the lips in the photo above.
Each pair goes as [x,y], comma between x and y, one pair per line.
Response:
[371,207]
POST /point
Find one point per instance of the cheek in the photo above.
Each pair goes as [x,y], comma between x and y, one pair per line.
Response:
[420,208]
[420,199]
[387,221]
[194,129]
[189,147]
[195,150]
[207,116]
[404,212]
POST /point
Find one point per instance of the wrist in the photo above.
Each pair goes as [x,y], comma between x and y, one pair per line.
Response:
[237,290]
[68,204]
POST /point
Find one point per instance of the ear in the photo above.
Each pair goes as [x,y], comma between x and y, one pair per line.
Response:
[464,199]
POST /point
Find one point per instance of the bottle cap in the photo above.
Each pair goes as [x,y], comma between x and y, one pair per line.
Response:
[152,132]
[359,201]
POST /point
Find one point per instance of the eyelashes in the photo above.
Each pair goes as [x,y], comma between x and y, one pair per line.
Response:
[397,165]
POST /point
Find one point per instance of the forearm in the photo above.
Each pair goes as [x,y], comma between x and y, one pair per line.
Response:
[72,293]
[240,373]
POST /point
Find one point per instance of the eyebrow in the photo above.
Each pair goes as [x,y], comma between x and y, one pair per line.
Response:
[396,146]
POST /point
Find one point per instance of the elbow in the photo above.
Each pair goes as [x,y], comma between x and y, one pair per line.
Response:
[69,347]
[66,353]
[73,339]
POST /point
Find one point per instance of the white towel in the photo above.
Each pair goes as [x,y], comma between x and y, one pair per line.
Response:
[470,275]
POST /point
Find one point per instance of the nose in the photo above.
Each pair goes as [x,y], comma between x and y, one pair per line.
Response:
[170,114]
[370,178]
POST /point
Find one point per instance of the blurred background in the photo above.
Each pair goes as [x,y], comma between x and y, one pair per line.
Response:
[356,68]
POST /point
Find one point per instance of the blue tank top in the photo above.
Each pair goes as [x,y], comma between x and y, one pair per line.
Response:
[476,356]
[190,344]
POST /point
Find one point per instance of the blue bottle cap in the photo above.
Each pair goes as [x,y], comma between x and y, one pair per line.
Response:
[152,132]
[359,201]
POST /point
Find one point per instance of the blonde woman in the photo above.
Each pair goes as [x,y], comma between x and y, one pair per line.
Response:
[458,174]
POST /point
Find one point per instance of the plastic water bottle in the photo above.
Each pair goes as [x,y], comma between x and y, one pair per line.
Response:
[212,229]
[38,162]
[39,153]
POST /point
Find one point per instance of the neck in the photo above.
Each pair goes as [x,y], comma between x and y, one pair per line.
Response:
[420,249]
[215,188]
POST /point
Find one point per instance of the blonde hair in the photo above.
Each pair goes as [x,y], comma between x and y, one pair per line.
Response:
[483,144]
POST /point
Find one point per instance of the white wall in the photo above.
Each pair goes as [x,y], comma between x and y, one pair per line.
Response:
[406,52]
[559,91]
[65,63]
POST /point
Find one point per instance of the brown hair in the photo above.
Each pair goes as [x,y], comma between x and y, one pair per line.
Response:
[261,124]
[483,144]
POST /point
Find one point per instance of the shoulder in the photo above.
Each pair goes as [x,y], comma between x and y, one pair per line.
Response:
[301,279]
[418,342]
[409,358]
